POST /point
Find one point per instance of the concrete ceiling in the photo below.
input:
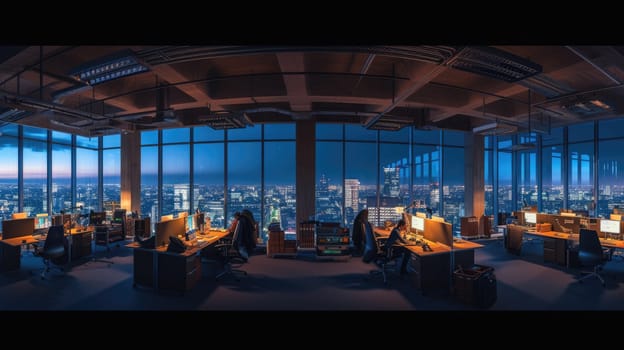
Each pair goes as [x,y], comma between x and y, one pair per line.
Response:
[379,87]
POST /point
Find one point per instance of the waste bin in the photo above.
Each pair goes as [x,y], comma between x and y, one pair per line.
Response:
[475,285]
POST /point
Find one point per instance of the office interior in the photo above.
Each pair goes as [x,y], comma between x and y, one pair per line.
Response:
[504,161]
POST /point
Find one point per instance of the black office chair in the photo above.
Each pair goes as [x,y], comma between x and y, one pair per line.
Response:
[233,252]
[592,254]
[54,248]
[374,252]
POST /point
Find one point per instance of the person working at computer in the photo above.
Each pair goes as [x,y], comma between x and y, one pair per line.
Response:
[397,250]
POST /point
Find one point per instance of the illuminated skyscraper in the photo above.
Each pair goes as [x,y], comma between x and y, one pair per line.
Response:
[180,197]
[391,182]
[352,194]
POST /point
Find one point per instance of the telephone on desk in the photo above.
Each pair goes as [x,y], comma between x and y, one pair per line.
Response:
[426,247]
[176,245]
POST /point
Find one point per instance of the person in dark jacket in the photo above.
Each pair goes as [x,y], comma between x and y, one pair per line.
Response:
[359,236]
[397,249]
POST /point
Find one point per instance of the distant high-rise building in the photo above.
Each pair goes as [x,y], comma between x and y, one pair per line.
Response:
[391,182]
[180,197]
[352,194]
[323,187]
[386,210]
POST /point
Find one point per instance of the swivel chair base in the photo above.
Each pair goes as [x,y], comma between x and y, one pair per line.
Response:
[593,273]
[379,272]
[47,269]
[230,271]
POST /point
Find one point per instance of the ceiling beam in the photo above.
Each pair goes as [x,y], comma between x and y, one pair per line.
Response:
[296,85]
[476,102]
[418,78]
[170,75]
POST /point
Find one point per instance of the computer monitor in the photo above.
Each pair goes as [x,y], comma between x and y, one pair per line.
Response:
[610,226]
[63,219]
[190,222]
[530,218]
[42,220]
[170,228]
[18,228]
[418,224]
[97,218]
[438,231]
[119,215]
[21,215]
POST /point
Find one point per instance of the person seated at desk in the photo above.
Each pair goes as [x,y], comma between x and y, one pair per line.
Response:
[397,249]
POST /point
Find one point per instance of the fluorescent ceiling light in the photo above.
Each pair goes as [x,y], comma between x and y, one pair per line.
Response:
[494,129]
[113,67]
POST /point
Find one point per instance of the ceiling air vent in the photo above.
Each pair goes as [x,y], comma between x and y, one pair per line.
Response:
[495,63]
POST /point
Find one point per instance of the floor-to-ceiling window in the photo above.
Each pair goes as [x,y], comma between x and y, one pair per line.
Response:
[8,171]
[175,171]
[505,187]
[280,197]
[61,172]
[361,173]
[244,171]
[149,176]
[581,166]
[87,172]
[552,171]
[527,171]
[209,174]
[329,172]
[111,163]
[35,170]
[453,178]
[488,174]
[394,173]
[426,165]
[610,166]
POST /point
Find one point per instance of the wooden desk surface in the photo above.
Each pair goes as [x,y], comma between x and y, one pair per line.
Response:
[203,241]
[610,243]
[438,248]
[17,241]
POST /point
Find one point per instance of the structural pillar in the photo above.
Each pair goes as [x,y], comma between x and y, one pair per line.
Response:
[131,171]
[306,169]
[474,167]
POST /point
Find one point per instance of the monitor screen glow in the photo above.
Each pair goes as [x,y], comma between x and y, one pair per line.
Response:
[418,223]
[530,218]
[610,226]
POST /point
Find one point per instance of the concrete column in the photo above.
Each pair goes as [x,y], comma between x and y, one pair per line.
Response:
[474,195]
[306,169]
[131,171]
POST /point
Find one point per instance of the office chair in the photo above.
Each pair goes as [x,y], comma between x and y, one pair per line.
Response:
[53,248]
[591,253]
[374,252]
[233,252]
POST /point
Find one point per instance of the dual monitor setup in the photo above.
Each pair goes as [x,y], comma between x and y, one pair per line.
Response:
[433,229]
[168,226]
[571,222]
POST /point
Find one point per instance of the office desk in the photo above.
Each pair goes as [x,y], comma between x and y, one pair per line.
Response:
[432,269]
[79,245]
[557,245]
[11,251]
[162,270]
